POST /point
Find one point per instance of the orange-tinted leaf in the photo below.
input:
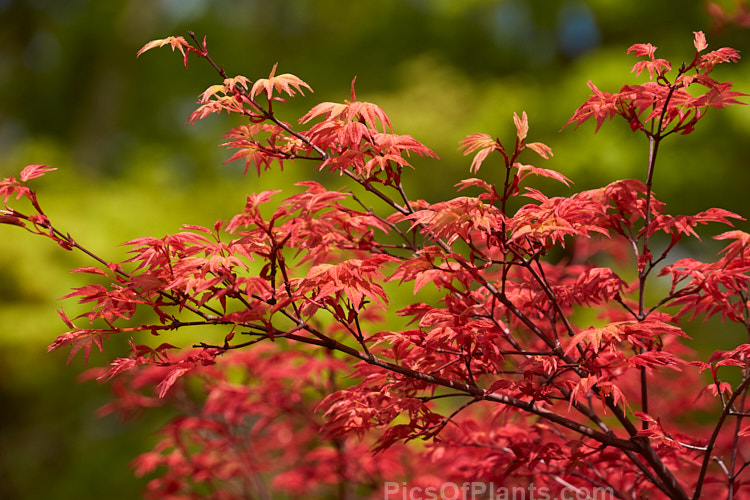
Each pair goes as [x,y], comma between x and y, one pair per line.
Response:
[482,143]
[722,55]
[600,105]
[541,149]
[642,49]
[176,42]
[654,67]
[212,91]
[525,170]
[237,81]
[33,171]
[329,109]
[282,83]
[522,126]
[719,96]
[700,41]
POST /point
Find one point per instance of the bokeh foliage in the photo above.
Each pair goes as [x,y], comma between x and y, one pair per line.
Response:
[74,96]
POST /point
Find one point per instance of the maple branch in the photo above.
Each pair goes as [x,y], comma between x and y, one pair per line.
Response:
[401,192]
[226,347]
[726,411]
[66,240]
[669,485]
[669,482]
[360,337]
[731,475]
[506,193]
[604,438]
[372,189]
[410,244]
[601,482]
[555,347]
[542,280]
[277,257]
[445,365]
[654,139]
[426,399]
[674,295]
[435,429]
[266,114]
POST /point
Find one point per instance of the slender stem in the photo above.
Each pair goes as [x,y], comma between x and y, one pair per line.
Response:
[726,412]
[735,448]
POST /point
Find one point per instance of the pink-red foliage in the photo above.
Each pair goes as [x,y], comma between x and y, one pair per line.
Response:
[513,366]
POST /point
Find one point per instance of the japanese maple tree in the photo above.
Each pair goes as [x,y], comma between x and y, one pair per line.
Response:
[497,373]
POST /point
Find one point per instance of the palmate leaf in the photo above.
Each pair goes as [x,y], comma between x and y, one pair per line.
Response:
[286,83]
[555,218]
[354,278]
[398,144]
[176,42]
[634,332]
[655,67]
[526,170]
[700,42]
[541,149]
[600,106]
[457,218]
[725,54]
[719,96]
[522,126]
[226,103]
[252,154]
[33,171]
[737,247]
[642,50]
[228,88]
[79,339]
[371,114]
[483,145]
[656,360]
[596,337]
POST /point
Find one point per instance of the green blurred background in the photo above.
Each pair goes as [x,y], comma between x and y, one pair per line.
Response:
[74,96]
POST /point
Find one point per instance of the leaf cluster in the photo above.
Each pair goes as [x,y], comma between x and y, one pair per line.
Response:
[500,375]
